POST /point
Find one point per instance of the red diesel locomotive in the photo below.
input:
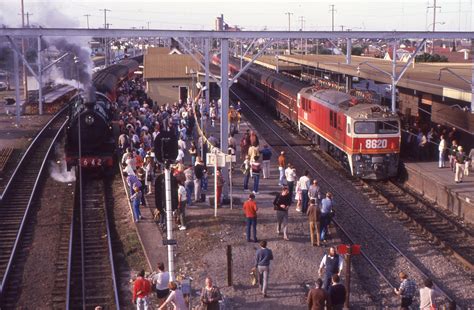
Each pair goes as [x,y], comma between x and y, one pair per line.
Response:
[363,135]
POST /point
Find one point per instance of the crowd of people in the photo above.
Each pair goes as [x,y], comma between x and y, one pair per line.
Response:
[140,122]
[442,144]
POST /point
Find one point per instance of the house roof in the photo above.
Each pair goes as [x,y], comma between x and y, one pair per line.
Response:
[158,50]
[163,66]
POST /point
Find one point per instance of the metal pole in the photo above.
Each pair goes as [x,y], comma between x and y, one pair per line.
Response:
[394,76]
[241,55]
[229,265]
[17,86]
[348,61]
[348,276]
[206,79]
[472,77]
[225,104]
[230,182]
[289,29]
[40,79]
[169,221]
[215,184]
[23,51]
[434,17]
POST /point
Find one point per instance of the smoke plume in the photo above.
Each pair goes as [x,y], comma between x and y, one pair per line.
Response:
[57,169]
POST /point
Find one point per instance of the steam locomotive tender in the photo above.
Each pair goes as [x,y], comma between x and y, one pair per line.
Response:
[363,136]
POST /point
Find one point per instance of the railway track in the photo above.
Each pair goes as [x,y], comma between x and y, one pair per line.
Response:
[91,272]
[17,203]
[456,238]
[383,255]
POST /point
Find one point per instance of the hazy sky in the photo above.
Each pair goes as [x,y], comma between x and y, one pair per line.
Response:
[402,15]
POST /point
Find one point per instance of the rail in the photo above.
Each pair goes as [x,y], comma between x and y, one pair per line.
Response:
[38,177]
[30,147]
[334,190]
[78,234]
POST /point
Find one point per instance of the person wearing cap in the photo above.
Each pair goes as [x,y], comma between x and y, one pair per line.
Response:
[460,159]
[281,168]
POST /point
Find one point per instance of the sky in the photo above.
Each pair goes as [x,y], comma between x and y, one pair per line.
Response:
[383,15]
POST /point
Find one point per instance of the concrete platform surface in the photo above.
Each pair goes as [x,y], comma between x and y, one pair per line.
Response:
[437,184]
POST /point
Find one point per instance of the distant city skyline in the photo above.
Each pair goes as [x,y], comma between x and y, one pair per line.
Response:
[381,15]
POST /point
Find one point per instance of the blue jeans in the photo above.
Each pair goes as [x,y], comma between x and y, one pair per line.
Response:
[325,220]
[136,209]
[304,200]
[256,179]
[246,181]
[251,222]
[189,186]
[204,184]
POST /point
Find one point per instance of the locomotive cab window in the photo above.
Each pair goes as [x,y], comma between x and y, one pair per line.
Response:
[380,127]
[348,128]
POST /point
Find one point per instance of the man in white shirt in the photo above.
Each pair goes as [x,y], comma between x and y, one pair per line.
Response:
[333,264]
[304,183]
[442,152]
[290,176]
[160,280]
[182,206]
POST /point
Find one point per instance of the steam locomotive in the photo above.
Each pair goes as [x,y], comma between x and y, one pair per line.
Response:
[363,135]
[89,133]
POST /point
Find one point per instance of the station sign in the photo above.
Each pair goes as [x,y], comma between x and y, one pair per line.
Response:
[344,249]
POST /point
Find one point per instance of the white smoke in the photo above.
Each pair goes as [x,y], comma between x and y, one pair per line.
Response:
[57,168]
[56,75]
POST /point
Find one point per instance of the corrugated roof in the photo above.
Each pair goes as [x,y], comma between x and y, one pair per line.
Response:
[160,66]
[423,77]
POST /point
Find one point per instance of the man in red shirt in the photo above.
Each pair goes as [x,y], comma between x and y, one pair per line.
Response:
[250,210]
[141,290]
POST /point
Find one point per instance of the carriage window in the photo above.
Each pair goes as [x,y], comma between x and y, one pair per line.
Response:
[348,128]
[331,119]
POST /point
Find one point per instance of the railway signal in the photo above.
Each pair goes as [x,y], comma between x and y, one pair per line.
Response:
[348,250]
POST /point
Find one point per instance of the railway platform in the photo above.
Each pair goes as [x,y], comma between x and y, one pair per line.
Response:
[437,185]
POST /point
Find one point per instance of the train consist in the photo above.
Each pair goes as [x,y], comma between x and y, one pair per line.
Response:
[90,121]
[363,135]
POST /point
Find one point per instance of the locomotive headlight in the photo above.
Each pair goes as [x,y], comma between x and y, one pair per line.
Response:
[89,120]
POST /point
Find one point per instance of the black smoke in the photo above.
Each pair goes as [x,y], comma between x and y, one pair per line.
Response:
[78,65]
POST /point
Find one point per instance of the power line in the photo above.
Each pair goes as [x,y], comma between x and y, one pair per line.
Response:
[332,10]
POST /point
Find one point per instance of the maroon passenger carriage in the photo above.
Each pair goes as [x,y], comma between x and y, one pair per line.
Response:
[363,135]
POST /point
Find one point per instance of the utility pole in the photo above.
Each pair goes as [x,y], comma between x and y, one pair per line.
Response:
[342,27]
[23,50]
[105,39]
[87,16]
[332,10]
[302,21]
[28,19]
[148,25]
[434,7]
[289,29]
